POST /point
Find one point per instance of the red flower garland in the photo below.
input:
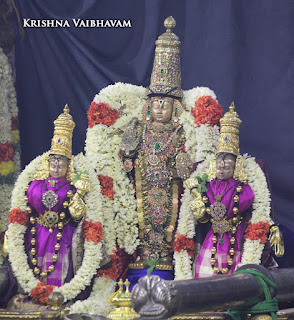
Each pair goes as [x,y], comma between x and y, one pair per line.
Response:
[184,243]
[93,231]
[112,271]
[101,113]
[18,216]
[207,110]
[257,231]
[6,152]
[14,123]
[106,184]
[41,293]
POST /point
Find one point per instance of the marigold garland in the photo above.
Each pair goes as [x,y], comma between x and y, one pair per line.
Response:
[257,231]
[184,243]
[101,113]
[93,231]
[106,184]
[18,216]
[41,293]
[207,110]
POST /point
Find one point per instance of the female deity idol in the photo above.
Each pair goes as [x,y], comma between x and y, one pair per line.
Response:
[152,154]
[223,201]
[47,222]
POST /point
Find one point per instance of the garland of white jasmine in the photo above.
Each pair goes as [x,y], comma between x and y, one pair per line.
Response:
[252,249]
[9,137]
[16,232]
[102,146]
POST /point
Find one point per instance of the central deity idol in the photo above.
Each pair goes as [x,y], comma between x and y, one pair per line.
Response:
[152,151]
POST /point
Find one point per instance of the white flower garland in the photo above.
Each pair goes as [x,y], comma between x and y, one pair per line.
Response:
[8,109]
[186,227]
[92,250]
[102,146]
[252,249]
[97,303]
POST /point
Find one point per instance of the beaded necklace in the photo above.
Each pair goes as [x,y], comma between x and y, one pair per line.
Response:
[221,225]
[60,225]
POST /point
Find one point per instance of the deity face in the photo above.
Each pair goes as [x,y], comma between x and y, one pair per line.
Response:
[161,109]
[225,166]
[58,166]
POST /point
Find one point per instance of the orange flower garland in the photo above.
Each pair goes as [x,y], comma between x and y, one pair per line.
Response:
[184,243]
[207,110]
[106,184]
[18,216]
[41,293]
[101,113]
[257,231]
[93,231]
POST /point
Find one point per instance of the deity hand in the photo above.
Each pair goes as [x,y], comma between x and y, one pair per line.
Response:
[77,207]
[192,184]
[130,139]
[198,209]
[169,233]
[184,165]
[276,240]
[83,184]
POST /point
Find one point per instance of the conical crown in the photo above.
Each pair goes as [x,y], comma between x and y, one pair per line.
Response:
[62,139]
[166,73]
[229,132]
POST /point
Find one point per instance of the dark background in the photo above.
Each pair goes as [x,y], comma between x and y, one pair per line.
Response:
[243,50]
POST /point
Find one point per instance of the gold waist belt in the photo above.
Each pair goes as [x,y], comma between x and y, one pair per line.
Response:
[50,220]
[164,265]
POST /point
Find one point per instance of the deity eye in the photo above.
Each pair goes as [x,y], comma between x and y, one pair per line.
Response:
[222,163]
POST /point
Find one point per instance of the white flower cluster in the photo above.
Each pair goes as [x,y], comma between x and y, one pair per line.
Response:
[92,250]
[207,141]
[192,95]
[97,303]
[8,109]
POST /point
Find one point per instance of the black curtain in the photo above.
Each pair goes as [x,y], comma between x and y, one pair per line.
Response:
[243,50]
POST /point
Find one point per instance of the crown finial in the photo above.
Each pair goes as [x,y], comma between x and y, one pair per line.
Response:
[66,109]
[232,106]
[169,23]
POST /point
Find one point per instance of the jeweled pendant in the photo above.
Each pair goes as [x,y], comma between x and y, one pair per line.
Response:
[153,160]
[50,230]
[221,240]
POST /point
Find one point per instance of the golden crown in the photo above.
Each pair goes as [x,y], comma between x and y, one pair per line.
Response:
[62,139]
[229,132]
[166,73]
